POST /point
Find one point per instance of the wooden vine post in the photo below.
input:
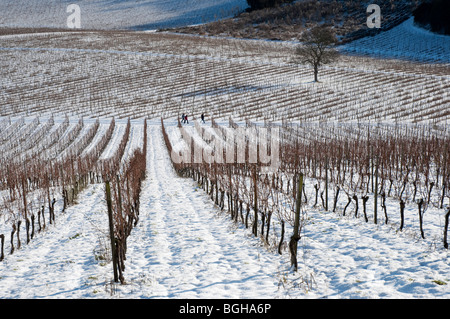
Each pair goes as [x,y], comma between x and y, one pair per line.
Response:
[326,184]
[296,235]
[447,215]
[255,222]
[375,208]
[2,240]
[402,214]
[420,204]
[111,230]
[25,205]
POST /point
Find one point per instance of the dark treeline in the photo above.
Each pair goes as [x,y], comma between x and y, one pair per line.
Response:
[261,4]
[434,14]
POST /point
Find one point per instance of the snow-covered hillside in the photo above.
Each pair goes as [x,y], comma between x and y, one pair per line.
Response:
[57,86]
[405,41]
[124,14]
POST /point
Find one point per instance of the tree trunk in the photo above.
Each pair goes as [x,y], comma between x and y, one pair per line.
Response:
[365,199]
[348,203]
[316,72]
[336,198]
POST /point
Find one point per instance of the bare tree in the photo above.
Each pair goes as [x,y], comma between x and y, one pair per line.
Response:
[317,48]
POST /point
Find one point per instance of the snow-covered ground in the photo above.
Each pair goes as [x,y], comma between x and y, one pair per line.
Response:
[405,41]
[123,14]
[185,247]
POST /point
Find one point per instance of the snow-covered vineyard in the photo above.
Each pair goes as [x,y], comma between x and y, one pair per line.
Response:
[152,75]
[185,245]
[92,148]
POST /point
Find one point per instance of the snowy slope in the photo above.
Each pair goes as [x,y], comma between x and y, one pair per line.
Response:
[405,41]
[184,247]
[124,14]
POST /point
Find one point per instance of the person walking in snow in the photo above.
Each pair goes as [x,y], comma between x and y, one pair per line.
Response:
[186,119]
[203,118]
[182,118]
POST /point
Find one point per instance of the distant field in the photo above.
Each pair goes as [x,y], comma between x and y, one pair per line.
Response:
[156,75]
[142,14]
